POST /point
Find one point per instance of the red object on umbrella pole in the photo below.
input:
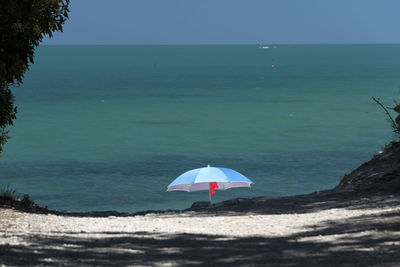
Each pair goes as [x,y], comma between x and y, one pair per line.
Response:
[213,186]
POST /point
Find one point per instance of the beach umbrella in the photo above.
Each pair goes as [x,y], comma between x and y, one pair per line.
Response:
[209,178]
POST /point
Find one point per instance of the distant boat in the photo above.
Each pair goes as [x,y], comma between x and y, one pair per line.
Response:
[264,47]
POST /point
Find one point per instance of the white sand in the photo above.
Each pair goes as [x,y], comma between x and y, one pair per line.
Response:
[237,225]
[314,233]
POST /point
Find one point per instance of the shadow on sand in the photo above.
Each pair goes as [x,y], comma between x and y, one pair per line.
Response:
[372,240]
[145,248]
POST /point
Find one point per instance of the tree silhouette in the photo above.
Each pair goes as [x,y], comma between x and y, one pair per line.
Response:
[23,24]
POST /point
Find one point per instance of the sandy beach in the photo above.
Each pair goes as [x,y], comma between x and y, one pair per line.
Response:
[313,230]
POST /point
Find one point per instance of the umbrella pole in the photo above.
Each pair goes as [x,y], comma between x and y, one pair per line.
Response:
[209,191]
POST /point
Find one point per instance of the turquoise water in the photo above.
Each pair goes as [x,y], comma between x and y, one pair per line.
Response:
[109,127]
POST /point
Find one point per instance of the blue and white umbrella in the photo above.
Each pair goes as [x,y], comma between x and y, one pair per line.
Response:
[202,179]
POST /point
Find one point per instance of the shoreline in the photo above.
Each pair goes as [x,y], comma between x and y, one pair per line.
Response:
[356,223]
[338,197]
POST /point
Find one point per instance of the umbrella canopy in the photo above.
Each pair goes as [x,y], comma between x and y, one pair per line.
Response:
[200,179]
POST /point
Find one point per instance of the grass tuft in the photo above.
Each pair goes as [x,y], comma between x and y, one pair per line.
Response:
[8,193]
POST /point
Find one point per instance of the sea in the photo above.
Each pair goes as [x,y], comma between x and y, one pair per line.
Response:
[110,127]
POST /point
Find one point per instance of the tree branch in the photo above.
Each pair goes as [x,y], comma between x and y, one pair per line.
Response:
[394,125]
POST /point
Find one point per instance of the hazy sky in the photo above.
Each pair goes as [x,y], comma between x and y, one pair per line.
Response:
[230,22]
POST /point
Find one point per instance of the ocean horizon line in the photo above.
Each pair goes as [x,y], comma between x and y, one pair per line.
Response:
[220,44]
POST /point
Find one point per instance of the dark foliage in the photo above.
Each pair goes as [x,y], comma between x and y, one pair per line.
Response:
[23,24]
[10,198]
[8,193]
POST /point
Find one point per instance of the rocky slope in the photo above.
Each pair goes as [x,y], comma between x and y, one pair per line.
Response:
[383,167]
[374,183]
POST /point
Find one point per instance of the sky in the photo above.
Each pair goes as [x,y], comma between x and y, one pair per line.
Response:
[158,22]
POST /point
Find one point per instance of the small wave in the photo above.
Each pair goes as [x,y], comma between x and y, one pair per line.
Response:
[264,47]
